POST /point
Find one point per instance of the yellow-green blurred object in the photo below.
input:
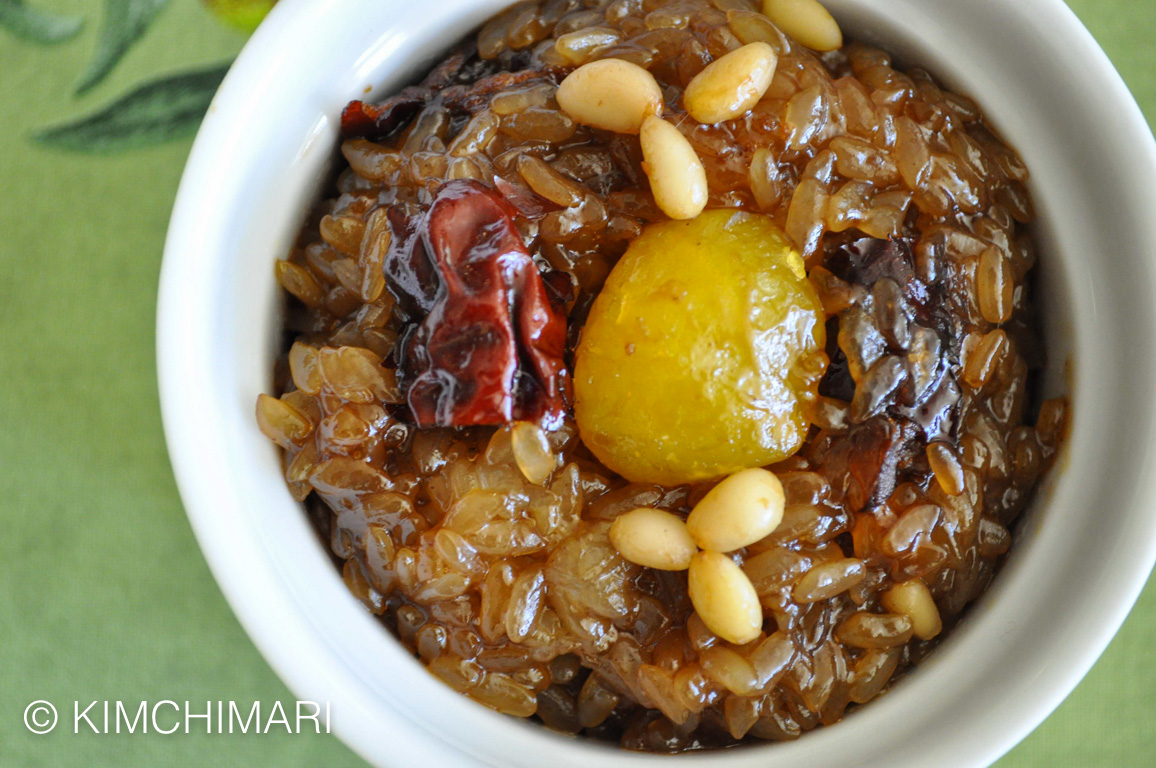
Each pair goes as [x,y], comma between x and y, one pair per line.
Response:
[703,353]
[242,14]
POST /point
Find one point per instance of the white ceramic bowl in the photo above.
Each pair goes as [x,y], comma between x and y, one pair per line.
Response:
[1082,554]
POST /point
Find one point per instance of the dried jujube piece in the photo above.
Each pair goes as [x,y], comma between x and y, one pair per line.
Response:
[865,462]
[490,348]
[463,83]
[409,273]
[376,121]
[868,260]
[363,120]
[913,365]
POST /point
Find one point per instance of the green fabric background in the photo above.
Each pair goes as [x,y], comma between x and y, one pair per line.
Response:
[103,592]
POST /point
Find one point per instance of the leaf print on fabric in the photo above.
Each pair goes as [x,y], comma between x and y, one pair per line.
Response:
[37,26]
[124,23]
[151,114]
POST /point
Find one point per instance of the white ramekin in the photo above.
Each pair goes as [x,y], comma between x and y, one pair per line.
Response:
[1082,554]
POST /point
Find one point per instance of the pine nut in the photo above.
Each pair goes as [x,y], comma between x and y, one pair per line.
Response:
[611,94]
[730,86]
[653,538]
[677,178]
[724,598]
[807,21]
[913,600]
[737,512]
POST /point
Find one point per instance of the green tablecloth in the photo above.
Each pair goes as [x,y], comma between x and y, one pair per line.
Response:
[103,592]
